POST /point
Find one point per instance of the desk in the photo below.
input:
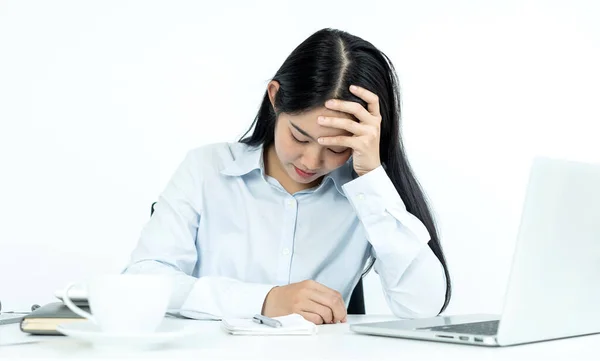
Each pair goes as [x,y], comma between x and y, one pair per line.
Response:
[333,342]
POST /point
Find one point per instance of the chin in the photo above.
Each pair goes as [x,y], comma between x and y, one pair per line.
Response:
[299,179]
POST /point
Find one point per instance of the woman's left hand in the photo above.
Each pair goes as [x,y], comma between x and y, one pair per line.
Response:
[365,139]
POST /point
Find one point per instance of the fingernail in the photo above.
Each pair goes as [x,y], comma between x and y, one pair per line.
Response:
[330,103]
[321,120]
[320,140]
[353,88]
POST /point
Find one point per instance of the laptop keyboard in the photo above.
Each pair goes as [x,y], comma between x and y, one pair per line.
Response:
[488,328]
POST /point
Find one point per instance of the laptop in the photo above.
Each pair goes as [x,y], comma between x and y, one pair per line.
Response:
[553,289]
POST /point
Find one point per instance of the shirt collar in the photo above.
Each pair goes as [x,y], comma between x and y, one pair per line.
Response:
[341,176]
[246,159]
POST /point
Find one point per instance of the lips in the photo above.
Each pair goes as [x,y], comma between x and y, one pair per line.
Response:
[303,174]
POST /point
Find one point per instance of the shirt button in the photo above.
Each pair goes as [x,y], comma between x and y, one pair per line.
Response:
[290,203]
[285,251]
[361,196]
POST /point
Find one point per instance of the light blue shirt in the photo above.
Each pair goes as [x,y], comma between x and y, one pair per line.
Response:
[228,233]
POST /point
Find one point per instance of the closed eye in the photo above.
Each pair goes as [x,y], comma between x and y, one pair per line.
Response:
[306,141]
[298,140]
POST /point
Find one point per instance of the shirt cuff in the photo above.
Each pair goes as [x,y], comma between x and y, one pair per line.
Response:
[374,196]
[220,297]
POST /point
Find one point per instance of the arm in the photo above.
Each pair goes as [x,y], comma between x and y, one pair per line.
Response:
[167,246]
[412,277]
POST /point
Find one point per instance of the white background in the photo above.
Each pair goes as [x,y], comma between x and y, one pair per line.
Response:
[100,101]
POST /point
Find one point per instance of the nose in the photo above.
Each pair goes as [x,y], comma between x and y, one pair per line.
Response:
[312,159]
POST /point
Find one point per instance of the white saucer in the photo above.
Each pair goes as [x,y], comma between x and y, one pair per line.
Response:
[89,332]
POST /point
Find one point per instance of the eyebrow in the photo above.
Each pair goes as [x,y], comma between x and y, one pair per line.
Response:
[302,131]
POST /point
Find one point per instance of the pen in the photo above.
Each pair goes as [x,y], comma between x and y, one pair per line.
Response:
[266,321]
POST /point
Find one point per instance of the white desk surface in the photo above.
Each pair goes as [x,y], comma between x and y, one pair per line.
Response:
[333,342]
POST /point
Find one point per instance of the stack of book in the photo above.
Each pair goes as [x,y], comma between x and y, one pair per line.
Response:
[43,321]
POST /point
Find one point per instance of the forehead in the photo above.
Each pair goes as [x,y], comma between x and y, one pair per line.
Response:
[307,121]
[314,113]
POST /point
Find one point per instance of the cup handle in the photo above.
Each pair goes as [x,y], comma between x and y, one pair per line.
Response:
[78,311]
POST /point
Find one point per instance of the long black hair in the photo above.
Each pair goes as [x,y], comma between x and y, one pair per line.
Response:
[323,67]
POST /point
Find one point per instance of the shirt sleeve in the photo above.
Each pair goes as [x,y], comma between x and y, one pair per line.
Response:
[167,246]
[412,277]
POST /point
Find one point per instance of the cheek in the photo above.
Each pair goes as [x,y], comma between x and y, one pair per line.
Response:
[287,150]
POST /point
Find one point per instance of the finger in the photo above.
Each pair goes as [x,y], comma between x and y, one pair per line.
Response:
[371,98]
[328,297]
[323,289]
[333,302]
[340,140]
[348,125]
[333,299]
[313,285]
[350,107]
[312,317]
[315,307]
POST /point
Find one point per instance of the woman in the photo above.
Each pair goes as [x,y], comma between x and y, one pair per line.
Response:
[285,220]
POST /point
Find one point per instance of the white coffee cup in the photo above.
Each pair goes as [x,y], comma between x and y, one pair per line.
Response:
[124,303]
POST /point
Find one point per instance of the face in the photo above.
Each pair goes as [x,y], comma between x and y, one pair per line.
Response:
[299,154]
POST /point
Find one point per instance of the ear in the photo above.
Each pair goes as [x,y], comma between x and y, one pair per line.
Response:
[272,89]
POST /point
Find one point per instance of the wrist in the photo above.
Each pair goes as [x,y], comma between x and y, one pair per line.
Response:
[266,308]
[360,174]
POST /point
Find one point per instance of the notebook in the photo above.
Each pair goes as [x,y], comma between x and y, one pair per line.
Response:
[43,321]
[293,324]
